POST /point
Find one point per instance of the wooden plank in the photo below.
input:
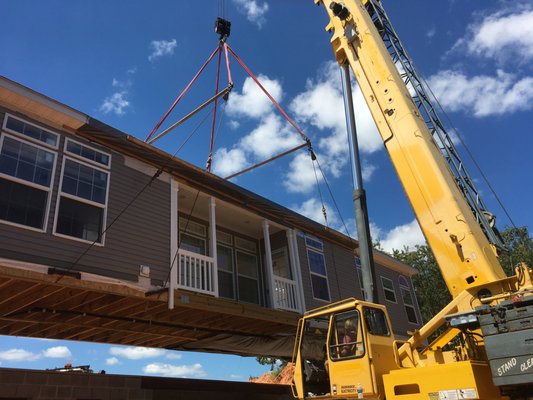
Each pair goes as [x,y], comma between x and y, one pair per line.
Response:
[97,286]
[26,299]
[14,289]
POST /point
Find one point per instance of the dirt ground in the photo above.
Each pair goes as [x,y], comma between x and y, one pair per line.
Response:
[283,378]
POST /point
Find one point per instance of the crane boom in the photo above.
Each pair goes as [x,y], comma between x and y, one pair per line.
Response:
[461,248]
[482,346]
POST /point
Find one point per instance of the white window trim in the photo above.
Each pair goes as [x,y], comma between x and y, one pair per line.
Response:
[285,253]
[389,290]
[33,140]
[249,253]
[239,241]
[321,248]
[313,249]
[233,266]
[203,239]
[413,299]
[22,138]
[233,271]
[220,235]
[237,273]
[93,163]
[82,200]
[188,222]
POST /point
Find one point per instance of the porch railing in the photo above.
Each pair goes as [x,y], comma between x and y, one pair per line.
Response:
[285,294]
[197,273]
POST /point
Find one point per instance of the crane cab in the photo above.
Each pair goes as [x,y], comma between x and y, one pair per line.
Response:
[341,349]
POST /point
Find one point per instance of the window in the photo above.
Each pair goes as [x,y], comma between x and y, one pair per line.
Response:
[317,267]
[245,244]
[315,243]
[238,268]
[225,271]
[83,193]
[376,321]
[408,301]
[27,166]
[247,277]
[388,289]
[192,236]
[87,153]
[360,275]
[29,130]
[192,243]
[280,263]
[192,227]
[346,336]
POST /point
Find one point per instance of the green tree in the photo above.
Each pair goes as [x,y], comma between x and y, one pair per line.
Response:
[520,247]
[276,365]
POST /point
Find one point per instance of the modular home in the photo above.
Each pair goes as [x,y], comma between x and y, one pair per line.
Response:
[101,232]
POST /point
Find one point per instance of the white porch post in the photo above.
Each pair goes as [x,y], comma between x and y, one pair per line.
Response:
[174,261]
[213,241]
[296,268]
[268,260]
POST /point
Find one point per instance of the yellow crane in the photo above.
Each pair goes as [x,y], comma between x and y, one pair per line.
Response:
[484,349]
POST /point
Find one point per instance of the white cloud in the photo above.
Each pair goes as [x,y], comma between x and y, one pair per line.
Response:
[505,36]
[322,106]
[172,355]
[227,162]
[252,101]
[270,138]
[136,353]
[234,124]
[367,171]
[312,208]
[181,371]
[431,32]
[112,361]
[483,95]
[57,352]
[117,103]
[301,177]
[408,235]
[375,231]
[18,355]
[160,48]
[254,10]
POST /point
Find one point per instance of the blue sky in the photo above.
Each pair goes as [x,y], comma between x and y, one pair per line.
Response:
[125,63]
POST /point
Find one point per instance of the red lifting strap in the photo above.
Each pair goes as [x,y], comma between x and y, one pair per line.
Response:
[289,120]
[182,94]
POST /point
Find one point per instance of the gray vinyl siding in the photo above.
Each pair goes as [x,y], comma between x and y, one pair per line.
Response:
[139,236]
[396,310]
[341,273]
[344,283]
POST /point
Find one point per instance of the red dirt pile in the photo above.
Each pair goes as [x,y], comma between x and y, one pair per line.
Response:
[283,378]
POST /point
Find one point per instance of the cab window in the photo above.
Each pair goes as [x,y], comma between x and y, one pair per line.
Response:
[376,321]
[346,336]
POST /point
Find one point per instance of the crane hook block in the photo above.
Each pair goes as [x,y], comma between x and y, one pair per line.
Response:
[222,27]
